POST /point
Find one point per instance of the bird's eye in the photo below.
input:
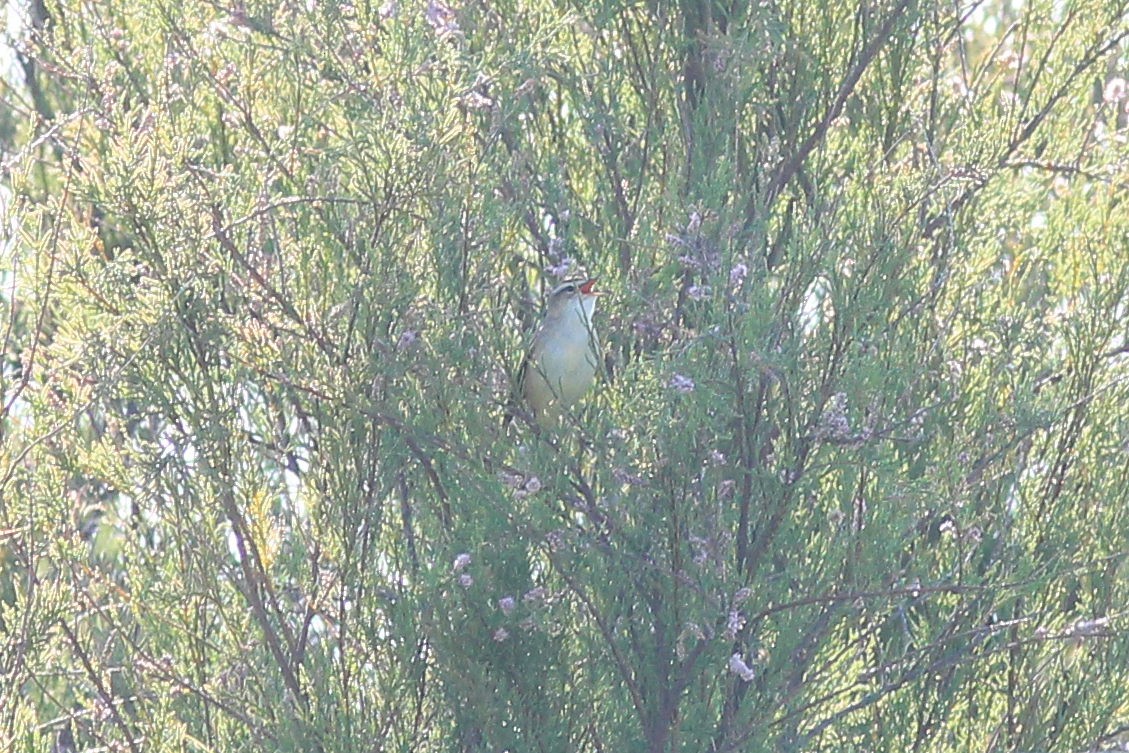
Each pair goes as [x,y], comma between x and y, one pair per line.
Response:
[570,288]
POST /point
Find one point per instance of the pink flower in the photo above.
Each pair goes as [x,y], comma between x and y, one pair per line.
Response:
[734,624]
[738,273]
[562,268]
[407,339]
[681,383]
[442,19]
[1115,90]
[738,667]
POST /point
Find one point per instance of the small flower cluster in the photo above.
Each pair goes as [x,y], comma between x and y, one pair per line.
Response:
[835,427]
[1115,90]
[442,19]
[561,269]
[696,252]
[507,605]
[531,486]
[699,292]
[478,96]
[833,422]
[461,563]
[407,339]
[738,667]
[738,274]
[680,383]
[523,486]
[555,540]
[560,264]
[733,624]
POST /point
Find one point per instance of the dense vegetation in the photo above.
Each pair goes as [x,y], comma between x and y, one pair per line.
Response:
[855,475]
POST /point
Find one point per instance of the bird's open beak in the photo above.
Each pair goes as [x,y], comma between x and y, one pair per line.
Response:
[588,288]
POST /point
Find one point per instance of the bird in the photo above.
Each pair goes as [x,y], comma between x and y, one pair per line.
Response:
[562,360]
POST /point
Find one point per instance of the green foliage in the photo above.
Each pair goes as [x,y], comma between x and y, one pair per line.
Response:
[854,477]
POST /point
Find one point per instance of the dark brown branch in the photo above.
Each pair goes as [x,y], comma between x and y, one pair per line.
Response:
[789,167]
[104,693]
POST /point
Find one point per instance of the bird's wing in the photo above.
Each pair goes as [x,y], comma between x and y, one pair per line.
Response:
[517,382]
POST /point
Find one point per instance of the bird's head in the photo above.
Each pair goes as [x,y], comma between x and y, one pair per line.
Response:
[570,293]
